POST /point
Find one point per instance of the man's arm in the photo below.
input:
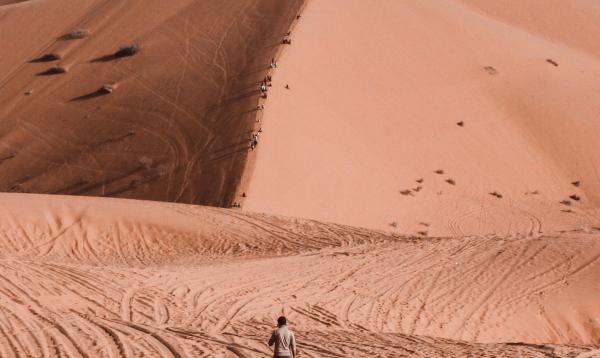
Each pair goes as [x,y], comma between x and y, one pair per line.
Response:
[293,345]
[272,339]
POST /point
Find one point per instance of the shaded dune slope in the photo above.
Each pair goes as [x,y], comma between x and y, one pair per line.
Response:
[9,2]
[112,277]
[177,125]
[445,118]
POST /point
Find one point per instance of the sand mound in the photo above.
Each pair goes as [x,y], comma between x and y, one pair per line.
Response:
[179,111]
[91,231]
[9,2]
[110,277]
[445,118]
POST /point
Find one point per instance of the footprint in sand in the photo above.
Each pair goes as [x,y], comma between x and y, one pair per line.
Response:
[450,181]
[490,70]
[575,197]
[496,194]
[439,171]
[576,183]
[161,313]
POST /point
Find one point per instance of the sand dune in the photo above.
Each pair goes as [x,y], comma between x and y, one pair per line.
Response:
[176,127]
[110,277]
[9,2]
[465,129]
[501,97]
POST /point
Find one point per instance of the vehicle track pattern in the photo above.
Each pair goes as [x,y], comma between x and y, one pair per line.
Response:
[153,137]
[124,282]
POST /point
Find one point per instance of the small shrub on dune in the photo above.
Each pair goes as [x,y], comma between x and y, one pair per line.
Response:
[107,89]
[76,34]
[128,50]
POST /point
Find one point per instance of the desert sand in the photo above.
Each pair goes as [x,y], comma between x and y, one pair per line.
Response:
[178,124]
[112,277]
[424,185]
[382,96]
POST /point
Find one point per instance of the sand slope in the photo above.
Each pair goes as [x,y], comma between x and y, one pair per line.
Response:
[178,125]
[109,277]
[375,97]
[377,93]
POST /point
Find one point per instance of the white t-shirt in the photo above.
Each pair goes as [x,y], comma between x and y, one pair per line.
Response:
[284,342]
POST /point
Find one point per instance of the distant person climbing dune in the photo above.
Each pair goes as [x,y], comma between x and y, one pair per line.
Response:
[253,141]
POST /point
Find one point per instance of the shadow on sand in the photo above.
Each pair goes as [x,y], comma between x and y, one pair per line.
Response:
[91,95]
[49,57]
[52,71]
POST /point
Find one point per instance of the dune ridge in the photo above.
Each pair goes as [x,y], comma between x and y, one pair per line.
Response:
[461,132]
[176,123]
[10,2]
[458,118]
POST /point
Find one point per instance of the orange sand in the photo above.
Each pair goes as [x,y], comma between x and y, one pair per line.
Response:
[110,277]
[375,96]
[502,96]
[178,125]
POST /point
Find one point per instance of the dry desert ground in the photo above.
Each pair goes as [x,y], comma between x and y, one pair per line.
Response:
[397,178]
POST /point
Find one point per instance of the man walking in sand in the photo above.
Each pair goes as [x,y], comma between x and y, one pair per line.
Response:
[283,338]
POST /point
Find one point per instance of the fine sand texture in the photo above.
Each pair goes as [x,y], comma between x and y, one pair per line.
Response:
[97,277]
[436,117]
[425,184]
[170,122]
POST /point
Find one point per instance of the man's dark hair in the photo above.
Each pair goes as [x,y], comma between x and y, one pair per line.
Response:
[281,321]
